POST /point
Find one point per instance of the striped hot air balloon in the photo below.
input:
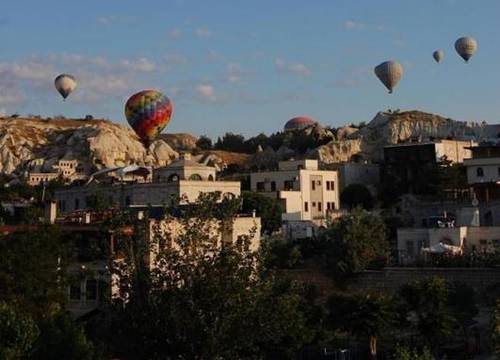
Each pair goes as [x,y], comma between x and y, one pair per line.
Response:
[389,73]
[148,112]
[466,47]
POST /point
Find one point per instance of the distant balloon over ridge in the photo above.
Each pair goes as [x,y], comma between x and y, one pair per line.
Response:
[65,84]
[389,73]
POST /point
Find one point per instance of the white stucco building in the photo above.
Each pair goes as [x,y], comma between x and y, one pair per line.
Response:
[310,196]
[178,183]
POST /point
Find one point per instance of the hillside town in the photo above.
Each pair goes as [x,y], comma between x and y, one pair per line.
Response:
[250,180]
[419,189]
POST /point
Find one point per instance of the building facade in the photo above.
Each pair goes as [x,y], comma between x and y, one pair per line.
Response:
[310,196]
[483,172]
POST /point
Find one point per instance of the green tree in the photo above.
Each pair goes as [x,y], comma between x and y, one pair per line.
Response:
[404,353]
[18,333]
[269,210]
[354,243]
[357,195]
[204,143]
[62,338]
[99,202]
[462,301]
[204,300]
[495,328]
[364,316]
[32,271]
[428,310]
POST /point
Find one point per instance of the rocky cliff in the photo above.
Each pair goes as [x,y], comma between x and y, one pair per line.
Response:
[398,127]
[38,144]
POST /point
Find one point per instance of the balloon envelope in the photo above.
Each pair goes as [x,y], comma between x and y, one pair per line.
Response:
[389,73]
[466,47]
[438,55]
[148,112]
[65,84]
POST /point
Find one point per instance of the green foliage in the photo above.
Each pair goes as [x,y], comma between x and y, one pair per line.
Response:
[495,327]
[428,311]
[269,210]
[204,300]
[281,253]
[32,271]
[365,316]
[62,338]
[357,195]
[354,243]
[18,333]
[204,143]
[404,353]
[231,142]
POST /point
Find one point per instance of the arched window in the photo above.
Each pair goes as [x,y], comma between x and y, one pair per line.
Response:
[173,178]
[210,177]
[480,172]
[196,177]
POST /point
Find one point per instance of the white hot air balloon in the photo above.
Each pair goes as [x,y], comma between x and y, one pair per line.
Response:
[438,55]
[65,84]
[466,47]
[389,73]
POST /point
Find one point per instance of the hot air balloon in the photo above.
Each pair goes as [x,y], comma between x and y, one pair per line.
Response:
[438,55]
[65,84]
[466,47]
[148,112]
[389,73]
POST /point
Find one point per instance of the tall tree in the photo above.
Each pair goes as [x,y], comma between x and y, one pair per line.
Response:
[18,333]
[427,305]
[269,210]
[365,316]
[205,299]
[355,242]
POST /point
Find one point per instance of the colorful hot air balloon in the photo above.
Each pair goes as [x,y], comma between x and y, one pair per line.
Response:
[438,55]
[389,73]
[148,113]
[466,47]
[65,84]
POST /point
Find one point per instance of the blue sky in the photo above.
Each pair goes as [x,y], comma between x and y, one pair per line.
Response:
[248,66]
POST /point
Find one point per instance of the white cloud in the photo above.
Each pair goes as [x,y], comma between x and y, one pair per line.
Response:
[206,92]
[352,25]
[203,32]
[113,19]
[233,73]
[294,68]
[142,64]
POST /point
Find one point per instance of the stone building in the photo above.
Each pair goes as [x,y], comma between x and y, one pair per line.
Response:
[67,170]
[310,196]
[178,183]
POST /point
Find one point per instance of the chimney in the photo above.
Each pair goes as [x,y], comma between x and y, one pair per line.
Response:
[51,212]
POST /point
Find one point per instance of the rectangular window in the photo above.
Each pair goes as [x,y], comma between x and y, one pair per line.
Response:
[306,206]
[273,185]
[314,204]
[327,185]
[313,185]
[260,186]
[333,205]
[319,206]
[332,185]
